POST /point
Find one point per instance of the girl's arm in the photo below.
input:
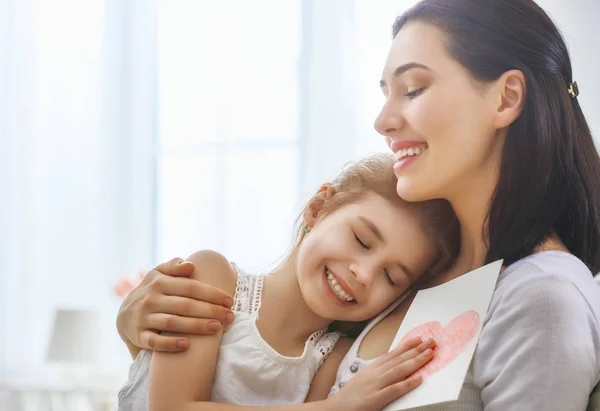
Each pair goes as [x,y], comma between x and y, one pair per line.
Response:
[325,378]
[183,381]
[180,380]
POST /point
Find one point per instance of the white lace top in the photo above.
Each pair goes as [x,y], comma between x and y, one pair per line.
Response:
[249,371]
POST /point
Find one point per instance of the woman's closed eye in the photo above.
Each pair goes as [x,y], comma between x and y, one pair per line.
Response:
[415,93]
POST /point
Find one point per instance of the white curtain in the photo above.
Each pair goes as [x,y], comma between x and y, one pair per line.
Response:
[327,78]
[344,46]
[259,105]
[228,142]
[77,124]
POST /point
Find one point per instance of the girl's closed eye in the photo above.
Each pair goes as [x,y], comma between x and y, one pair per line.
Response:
[361,242]
[389,278]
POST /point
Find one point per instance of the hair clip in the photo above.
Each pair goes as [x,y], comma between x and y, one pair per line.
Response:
[573,89]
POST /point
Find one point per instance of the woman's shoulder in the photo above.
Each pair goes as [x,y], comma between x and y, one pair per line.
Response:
[543,328]
[549,267]
[548,281]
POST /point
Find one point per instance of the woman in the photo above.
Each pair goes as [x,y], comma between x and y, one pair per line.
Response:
[484,90]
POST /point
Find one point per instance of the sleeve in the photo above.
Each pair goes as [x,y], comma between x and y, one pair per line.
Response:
[537,350]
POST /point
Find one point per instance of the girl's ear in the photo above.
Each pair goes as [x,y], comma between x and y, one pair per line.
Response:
[317,204]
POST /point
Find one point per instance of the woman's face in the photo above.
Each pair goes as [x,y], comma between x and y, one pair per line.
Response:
[437,119]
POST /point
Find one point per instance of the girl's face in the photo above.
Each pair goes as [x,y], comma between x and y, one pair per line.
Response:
[437,118]
[357,260]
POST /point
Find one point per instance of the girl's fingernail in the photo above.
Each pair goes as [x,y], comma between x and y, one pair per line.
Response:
[181,344]
[228,302]
[214,325]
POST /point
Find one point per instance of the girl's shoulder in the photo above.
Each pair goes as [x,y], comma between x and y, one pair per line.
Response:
[214,269]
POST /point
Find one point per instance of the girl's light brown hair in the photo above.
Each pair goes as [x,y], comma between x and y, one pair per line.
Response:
[375,174]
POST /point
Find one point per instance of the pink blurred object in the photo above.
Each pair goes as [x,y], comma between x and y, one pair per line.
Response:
[126,284]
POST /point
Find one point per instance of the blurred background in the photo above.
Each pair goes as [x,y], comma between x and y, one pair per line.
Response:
[134,131]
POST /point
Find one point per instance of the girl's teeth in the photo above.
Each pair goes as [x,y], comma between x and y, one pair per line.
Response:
[337,289]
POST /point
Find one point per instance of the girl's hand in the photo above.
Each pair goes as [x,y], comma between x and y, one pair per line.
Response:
[166,300]
[388,378]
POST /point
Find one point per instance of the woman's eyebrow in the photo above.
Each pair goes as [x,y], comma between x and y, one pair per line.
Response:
[403,69]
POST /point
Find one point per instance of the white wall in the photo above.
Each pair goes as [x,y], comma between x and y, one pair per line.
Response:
[578,21]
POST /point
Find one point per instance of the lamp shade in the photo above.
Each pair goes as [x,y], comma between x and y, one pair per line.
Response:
[75,337]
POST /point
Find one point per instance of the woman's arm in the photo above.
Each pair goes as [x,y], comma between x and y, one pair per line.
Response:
[538,348]
[167,300]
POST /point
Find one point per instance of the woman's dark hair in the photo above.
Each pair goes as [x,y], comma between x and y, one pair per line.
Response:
[550,169]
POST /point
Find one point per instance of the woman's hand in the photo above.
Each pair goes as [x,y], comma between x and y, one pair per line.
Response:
[166,300]
[387,379]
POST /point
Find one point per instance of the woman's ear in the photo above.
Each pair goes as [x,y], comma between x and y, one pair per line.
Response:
[317,204]
[511,89]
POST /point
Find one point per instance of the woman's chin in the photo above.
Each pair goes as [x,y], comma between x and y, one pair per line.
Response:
[409,190]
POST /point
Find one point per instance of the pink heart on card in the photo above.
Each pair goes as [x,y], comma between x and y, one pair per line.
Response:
[450,341]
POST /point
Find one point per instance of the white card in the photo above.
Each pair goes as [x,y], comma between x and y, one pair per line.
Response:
[453,314]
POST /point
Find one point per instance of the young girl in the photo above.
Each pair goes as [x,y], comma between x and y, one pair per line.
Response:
[348,263]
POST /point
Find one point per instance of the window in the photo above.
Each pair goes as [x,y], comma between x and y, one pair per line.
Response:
[228,151]
[374,20]
[233,98]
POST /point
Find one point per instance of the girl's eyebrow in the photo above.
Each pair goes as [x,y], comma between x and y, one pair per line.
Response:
[378,234]
[372,227]
[409,273]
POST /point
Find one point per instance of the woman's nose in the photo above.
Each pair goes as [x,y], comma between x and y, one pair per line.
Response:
[390,120]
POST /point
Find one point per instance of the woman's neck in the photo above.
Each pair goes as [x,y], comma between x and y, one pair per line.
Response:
[552,243]
[471,206]
[287,314]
